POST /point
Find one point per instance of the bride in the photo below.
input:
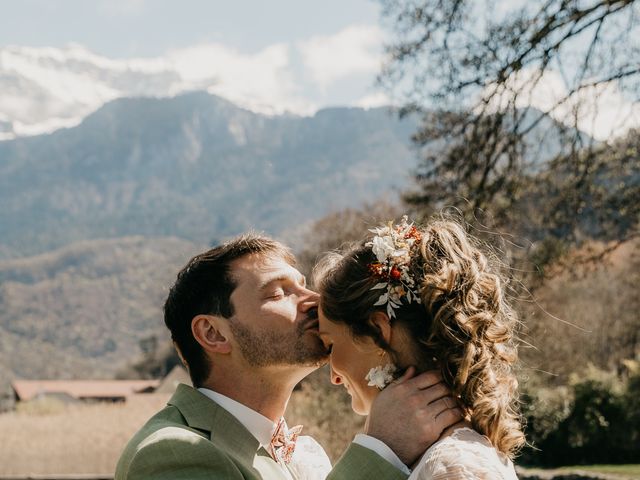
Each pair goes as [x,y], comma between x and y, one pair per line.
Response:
[427,296]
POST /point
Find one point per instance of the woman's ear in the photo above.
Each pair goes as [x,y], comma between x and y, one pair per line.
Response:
[210,331]
[382,323]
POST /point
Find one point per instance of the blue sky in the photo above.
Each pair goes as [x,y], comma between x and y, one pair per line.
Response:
[269,56]
[281,55]
[126,28]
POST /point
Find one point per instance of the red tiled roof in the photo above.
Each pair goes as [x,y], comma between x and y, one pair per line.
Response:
[28,389]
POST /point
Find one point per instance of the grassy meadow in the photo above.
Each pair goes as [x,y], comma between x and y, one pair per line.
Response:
[632,471]
[577,472]
[44,438]
[49,437]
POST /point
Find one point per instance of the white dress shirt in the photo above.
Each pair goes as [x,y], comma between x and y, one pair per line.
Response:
[258,425]
[263,428]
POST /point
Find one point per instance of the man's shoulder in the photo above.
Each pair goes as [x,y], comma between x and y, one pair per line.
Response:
[167,443]
[165,425]
[168,423]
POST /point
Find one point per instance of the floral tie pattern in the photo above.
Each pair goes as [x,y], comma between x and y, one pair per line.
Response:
[283,442]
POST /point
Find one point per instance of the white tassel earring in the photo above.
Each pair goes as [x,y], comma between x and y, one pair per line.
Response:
[382,375]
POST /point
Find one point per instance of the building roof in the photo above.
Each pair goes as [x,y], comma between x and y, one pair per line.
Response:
[174,377]
[82,389]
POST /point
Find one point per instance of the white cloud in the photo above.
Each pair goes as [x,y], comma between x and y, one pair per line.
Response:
[356,49]
[602,111]
[42,89]
[47,86]
[261,81]
[374,100]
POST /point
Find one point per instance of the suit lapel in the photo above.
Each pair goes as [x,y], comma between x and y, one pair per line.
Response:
[225,432]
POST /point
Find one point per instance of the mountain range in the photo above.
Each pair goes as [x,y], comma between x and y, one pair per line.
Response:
[96,219]
[82,310]
[194,166]
[45,88]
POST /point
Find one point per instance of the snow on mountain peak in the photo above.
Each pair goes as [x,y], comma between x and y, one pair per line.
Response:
[43,89]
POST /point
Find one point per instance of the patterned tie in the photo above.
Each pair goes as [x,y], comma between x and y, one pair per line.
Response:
[283,442]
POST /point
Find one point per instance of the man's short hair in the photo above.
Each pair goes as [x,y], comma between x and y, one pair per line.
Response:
[204,286]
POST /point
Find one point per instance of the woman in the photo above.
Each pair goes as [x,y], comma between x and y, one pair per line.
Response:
[427,297]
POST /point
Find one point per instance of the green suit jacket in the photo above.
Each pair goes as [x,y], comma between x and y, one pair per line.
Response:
[194,438]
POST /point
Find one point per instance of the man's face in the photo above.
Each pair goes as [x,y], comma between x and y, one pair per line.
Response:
[275,320]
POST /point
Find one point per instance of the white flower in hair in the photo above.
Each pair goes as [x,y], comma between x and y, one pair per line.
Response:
[383,247]
[392,247]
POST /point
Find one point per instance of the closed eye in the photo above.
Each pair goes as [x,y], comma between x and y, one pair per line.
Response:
[276,294]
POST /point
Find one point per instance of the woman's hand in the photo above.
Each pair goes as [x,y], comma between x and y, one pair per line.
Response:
[411,414]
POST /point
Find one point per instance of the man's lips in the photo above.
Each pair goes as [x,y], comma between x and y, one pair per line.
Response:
[312,324]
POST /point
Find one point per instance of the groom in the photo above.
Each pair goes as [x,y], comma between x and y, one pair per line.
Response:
[245,325]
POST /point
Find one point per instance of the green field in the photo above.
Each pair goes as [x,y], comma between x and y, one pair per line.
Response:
[622,472]
[628,470]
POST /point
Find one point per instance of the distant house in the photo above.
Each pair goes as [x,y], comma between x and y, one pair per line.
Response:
[75,390]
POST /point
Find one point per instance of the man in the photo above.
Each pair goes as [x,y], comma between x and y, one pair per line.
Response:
[245,325]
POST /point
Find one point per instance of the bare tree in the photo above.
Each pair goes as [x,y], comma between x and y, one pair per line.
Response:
[510,97]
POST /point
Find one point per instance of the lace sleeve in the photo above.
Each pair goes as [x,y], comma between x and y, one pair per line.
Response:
[466,455]
[445,471]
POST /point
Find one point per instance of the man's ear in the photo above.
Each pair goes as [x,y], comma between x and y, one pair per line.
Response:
[381,322]
[210,331]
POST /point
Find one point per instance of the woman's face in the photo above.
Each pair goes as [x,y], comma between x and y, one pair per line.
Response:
[350,360]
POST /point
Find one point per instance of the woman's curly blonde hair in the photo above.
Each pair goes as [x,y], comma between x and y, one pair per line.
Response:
[464,326]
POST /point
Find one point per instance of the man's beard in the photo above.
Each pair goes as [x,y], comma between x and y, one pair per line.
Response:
[263,348]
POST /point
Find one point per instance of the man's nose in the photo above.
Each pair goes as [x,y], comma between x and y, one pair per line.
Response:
[309,300]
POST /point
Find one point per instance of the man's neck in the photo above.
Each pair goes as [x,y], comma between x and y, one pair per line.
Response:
[267,394]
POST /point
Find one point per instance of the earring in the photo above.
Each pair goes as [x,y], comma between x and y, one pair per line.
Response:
[381,376]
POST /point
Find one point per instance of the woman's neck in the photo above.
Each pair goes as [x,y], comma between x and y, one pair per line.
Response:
[454,427]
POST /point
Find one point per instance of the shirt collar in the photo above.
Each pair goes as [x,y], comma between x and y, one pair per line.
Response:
[258,425]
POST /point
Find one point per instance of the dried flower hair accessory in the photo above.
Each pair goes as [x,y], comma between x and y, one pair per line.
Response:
[392,246]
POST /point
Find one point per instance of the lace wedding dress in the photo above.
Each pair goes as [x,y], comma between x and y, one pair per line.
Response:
[463,455]
[309,462]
